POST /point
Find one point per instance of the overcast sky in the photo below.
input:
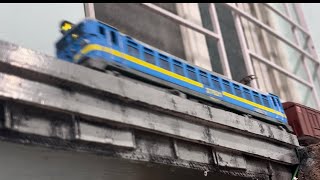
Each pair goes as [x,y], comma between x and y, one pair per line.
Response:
[36,25]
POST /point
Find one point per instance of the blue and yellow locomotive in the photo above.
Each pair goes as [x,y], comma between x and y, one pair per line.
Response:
[93,41]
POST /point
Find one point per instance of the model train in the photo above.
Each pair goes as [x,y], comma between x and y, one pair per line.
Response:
[94,41]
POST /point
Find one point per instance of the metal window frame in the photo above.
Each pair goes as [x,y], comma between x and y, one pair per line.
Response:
[216,35]
[269,30]
[304,23]
[89,10]
[310,43]
[179,20]
[287,18]
[244,48]
[221,47]
[248,54]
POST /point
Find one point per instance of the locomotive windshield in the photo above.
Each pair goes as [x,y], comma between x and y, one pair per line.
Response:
[70,36]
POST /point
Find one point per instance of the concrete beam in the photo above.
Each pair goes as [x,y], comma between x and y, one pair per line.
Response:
[54,98]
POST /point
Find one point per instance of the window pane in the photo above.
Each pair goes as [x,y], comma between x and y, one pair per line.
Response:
[114,39]
[36,25]
[247,95]
[311,16]
[204,79]
[278,6]
[257,99]
[238,92]
[317,84]
[192,75]
[149,58]
[305,95]
[265,102]
[276,52]
[285,87]
[164,64]
[293,13]
[133,51]
[227,87]
[178,69]
[216,84]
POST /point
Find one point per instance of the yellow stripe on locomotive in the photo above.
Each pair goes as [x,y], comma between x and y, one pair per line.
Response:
[96,47]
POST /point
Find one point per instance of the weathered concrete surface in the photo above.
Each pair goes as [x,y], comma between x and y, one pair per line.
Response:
[58,104]
[310,163]
[25,162]
[25,62]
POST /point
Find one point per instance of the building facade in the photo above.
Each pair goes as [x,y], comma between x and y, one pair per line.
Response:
[269,40]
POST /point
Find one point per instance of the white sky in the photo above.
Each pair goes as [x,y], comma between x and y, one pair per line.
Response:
[36,25]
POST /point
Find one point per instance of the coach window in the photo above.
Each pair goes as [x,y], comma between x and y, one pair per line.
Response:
[36,26]
[215,82]
[191,73]
[133,49]
[204,78]
[237,90]
[265,101]
[149,56]
[102,31]
[256,97]
[163,61]
[227,87]
[247,94]
[178,68]
[114,39]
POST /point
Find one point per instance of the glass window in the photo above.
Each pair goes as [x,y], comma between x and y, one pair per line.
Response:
[177,66]
[36,25]
[191,73]
[102,31]
[215,83]
[237,90]
[149,58]
[164,63]
[311,15]
[133,51]
[204,78]
[256,98]
[274,102]
[114,39]
[247,94]
[265,101]
[227,86]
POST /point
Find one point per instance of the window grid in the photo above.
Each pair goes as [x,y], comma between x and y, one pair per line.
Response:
[238,13]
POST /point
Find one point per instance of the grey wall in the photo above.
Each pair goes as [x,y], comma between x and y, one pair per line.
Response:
[28,162]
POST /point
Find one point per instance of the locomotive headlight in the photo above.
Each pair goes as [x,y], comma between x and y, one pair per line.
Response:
[65,26]
[75,36]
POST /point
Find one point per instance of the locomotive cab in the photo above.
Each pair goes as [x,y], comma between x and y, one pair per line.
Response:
[75,37]
[73,44]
